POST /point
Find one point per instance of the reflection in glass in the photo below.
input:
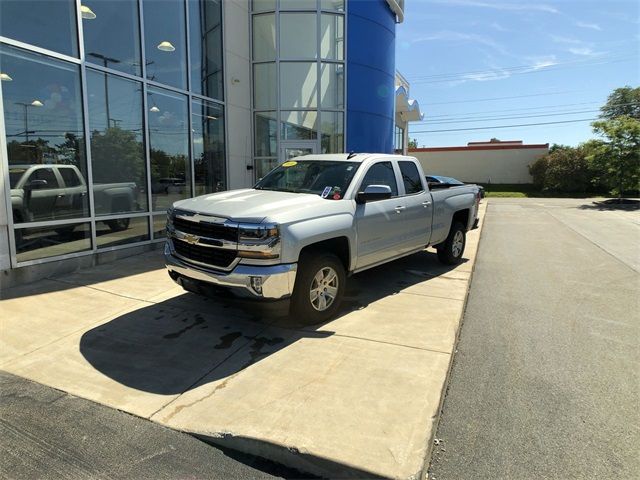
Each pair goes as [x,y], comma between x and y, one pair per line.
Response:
[264,166]
[332,36]
[44,128]
[266,134]
[298,35]
[117,144]
[205,28]
[264,37]
[159,226]
[262,5]
[116,48]
[332,132]
[127,230]
[298,4]
[332,5]
[208,147]
[41,242]
[298,85]
[49,24]
[264,86]
[169,147]
[299,125]
[332,86]
[164,42]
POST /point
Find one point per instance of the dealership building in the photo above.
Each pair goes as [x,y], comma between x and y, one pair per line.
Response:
[112,110]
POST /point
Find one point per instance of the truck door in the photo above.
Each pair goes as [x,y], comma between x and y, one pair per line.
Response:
[377,222]
[73,199]
[416,218]
[42,188]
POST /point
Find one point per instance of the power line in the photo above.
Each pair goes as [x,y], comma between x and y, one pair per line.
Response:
[490,99]
[504,126]
[511,117]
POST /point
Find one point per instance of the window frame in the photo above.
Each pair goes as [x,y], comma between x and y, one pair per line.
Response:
[395,176]
[402,178]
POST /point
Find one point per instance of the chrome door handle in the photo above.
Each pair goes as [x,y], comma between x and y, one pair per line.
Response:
[427,203]
[400,208]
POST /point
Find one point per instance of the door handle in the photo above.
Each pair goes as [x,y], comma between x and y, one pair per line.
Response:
[427,203]
[399,208]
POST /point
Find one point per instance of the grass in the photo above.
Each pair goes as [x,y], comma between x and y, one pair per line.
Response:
[527,190]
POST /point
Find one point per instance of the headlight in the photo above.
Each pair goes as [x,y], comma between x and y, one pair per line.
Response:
[258,241]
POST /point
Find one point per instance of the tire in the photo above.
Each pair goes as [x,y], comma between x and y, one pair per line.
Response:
[450,251]
[118,225]
[312,303]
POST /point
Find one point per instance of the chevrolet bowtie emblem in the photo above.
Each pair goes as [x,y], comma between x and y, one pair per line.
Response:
[191,239]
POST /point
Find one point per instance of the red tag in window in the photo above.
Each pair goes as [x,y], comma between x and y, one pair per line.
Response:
[336,196]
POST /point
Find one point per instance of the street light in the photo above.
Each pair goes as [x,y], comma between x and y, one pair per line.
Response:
[35,103]
[5,77]
[166,46]
[87,13]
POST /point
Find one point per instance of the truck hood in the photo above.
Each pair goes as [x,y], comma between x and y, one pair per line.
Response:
[255,206]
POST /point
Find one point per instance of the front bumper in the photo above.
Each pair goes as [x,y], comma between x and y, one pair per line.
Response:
[276,281]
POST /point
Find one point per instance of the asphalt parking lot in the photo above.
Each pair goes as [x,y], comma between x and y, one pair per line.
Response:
[357,396]
[545,382]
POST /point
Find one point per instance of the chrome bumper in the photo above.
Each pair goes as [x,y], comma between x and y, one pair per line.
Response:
[276,281]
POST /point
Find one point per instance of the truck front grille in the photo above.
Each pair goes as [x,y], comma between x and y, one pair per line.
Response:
[205,229]
[216,257]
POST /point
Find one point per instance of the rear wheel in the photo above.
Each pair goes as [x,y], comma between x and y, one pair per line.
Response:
[118,225]
[319,287]
[450,251]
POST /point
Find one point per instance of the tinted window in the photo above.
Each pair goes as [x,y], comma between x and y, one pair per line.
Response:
[205,29]
[410,177]
[41,242]
[48,24]
[208,147]
[70,177]
[381,174]
[47,175]
[117,48]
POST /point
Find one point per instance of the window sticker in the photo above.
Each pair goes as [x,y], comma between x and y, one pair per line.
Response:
[326,192]
[290,164]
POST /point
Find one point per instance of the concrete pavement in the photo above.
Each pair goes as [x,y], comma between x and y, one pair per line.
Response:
[357,396]
[545,383]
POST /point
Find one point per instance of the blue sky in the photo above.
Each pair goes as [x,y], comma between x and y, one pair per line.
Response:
[483,63]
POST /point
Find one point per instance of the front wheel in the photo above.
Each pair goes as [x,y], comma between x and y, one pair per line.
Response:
[450,251]
[319,287]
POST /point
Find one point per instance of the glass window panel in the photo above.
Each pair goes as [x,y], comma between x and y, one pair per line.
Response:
[159,226]
[164,42]
[208,147]
[263,5]
[298,37]
[264,86]
[332,86]
[298,86]
[44,128]
[332,36]
[298,4]
[381,173]
[205,28]
[264,166]
[117,144]
[410,177]
[169,147]
[117,48]
[266,134]
[48,24]
[332,132]
[332,5]
[264,37]
[42,242]
[121,231]
[299,125]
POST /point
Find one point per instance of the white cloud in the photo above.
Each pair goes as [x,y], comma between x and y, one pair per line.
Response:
[583,51]
[592,26]
[452,36]
[499,28]
[518,7]
[568,40]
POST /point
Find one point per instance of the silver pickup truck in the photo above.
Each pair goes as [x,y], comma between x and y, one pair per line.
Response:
[310,223]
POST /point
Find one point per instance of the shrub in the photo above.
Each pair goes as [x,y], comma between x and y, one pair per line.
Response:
[563,170]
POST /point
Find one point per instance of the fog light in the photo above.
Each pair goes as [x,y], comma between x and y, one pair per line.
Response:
[256,284]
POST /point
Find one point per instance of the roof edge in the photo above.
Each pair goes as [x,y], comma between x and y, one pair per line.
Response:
[480,147]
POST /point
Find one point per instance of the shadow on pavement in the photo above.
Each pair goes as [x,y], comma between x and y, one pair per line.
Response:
[612,204]
[169,347]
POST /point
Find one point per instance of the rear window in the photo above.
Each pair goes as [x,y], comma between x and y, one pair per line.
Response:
[70,177]
[411,178]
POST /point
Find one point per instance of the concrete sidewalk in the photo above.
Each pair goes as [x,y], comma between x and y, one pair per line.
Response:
[357,396]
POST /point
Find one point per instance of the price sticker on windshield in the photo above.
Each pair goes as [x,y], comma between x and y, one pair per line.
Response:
[326,192]
[289,164]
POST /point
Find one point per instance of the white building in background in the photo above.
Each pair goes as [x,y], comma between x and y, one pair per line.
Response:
[407,110]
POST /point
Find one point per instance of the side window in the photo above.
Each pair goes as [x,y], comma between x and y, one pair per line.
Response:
[381,174]
[70,177]
[45,174]
[411,178]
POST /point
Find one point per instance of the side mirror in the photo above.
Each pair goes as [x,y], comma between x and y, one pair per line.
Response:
[374,192]
[36,184]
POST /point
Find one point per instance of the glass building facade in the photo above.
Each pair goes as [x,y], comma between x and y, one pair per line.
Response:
[112,111]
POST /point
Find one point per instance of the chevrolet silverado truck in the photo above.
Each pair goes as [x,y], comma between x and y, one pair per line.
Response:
[312,222]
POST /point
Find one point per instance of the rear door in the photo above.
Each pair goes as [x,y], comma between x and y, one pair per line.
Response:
[378,223]
[416,217]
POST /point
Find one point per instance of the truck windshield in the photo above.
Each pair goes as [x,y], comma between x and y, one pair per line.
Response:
[325,178]
[15,174]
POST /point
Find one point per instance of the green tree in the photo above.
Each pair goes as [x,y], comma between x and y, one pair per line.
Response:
[623,101]
[565,170]
[117,156]
[413,143]
[616,159]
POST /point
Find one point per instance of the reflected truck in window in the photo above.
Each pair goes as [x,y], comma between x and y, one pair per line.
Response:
[56,192]
[310,223]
